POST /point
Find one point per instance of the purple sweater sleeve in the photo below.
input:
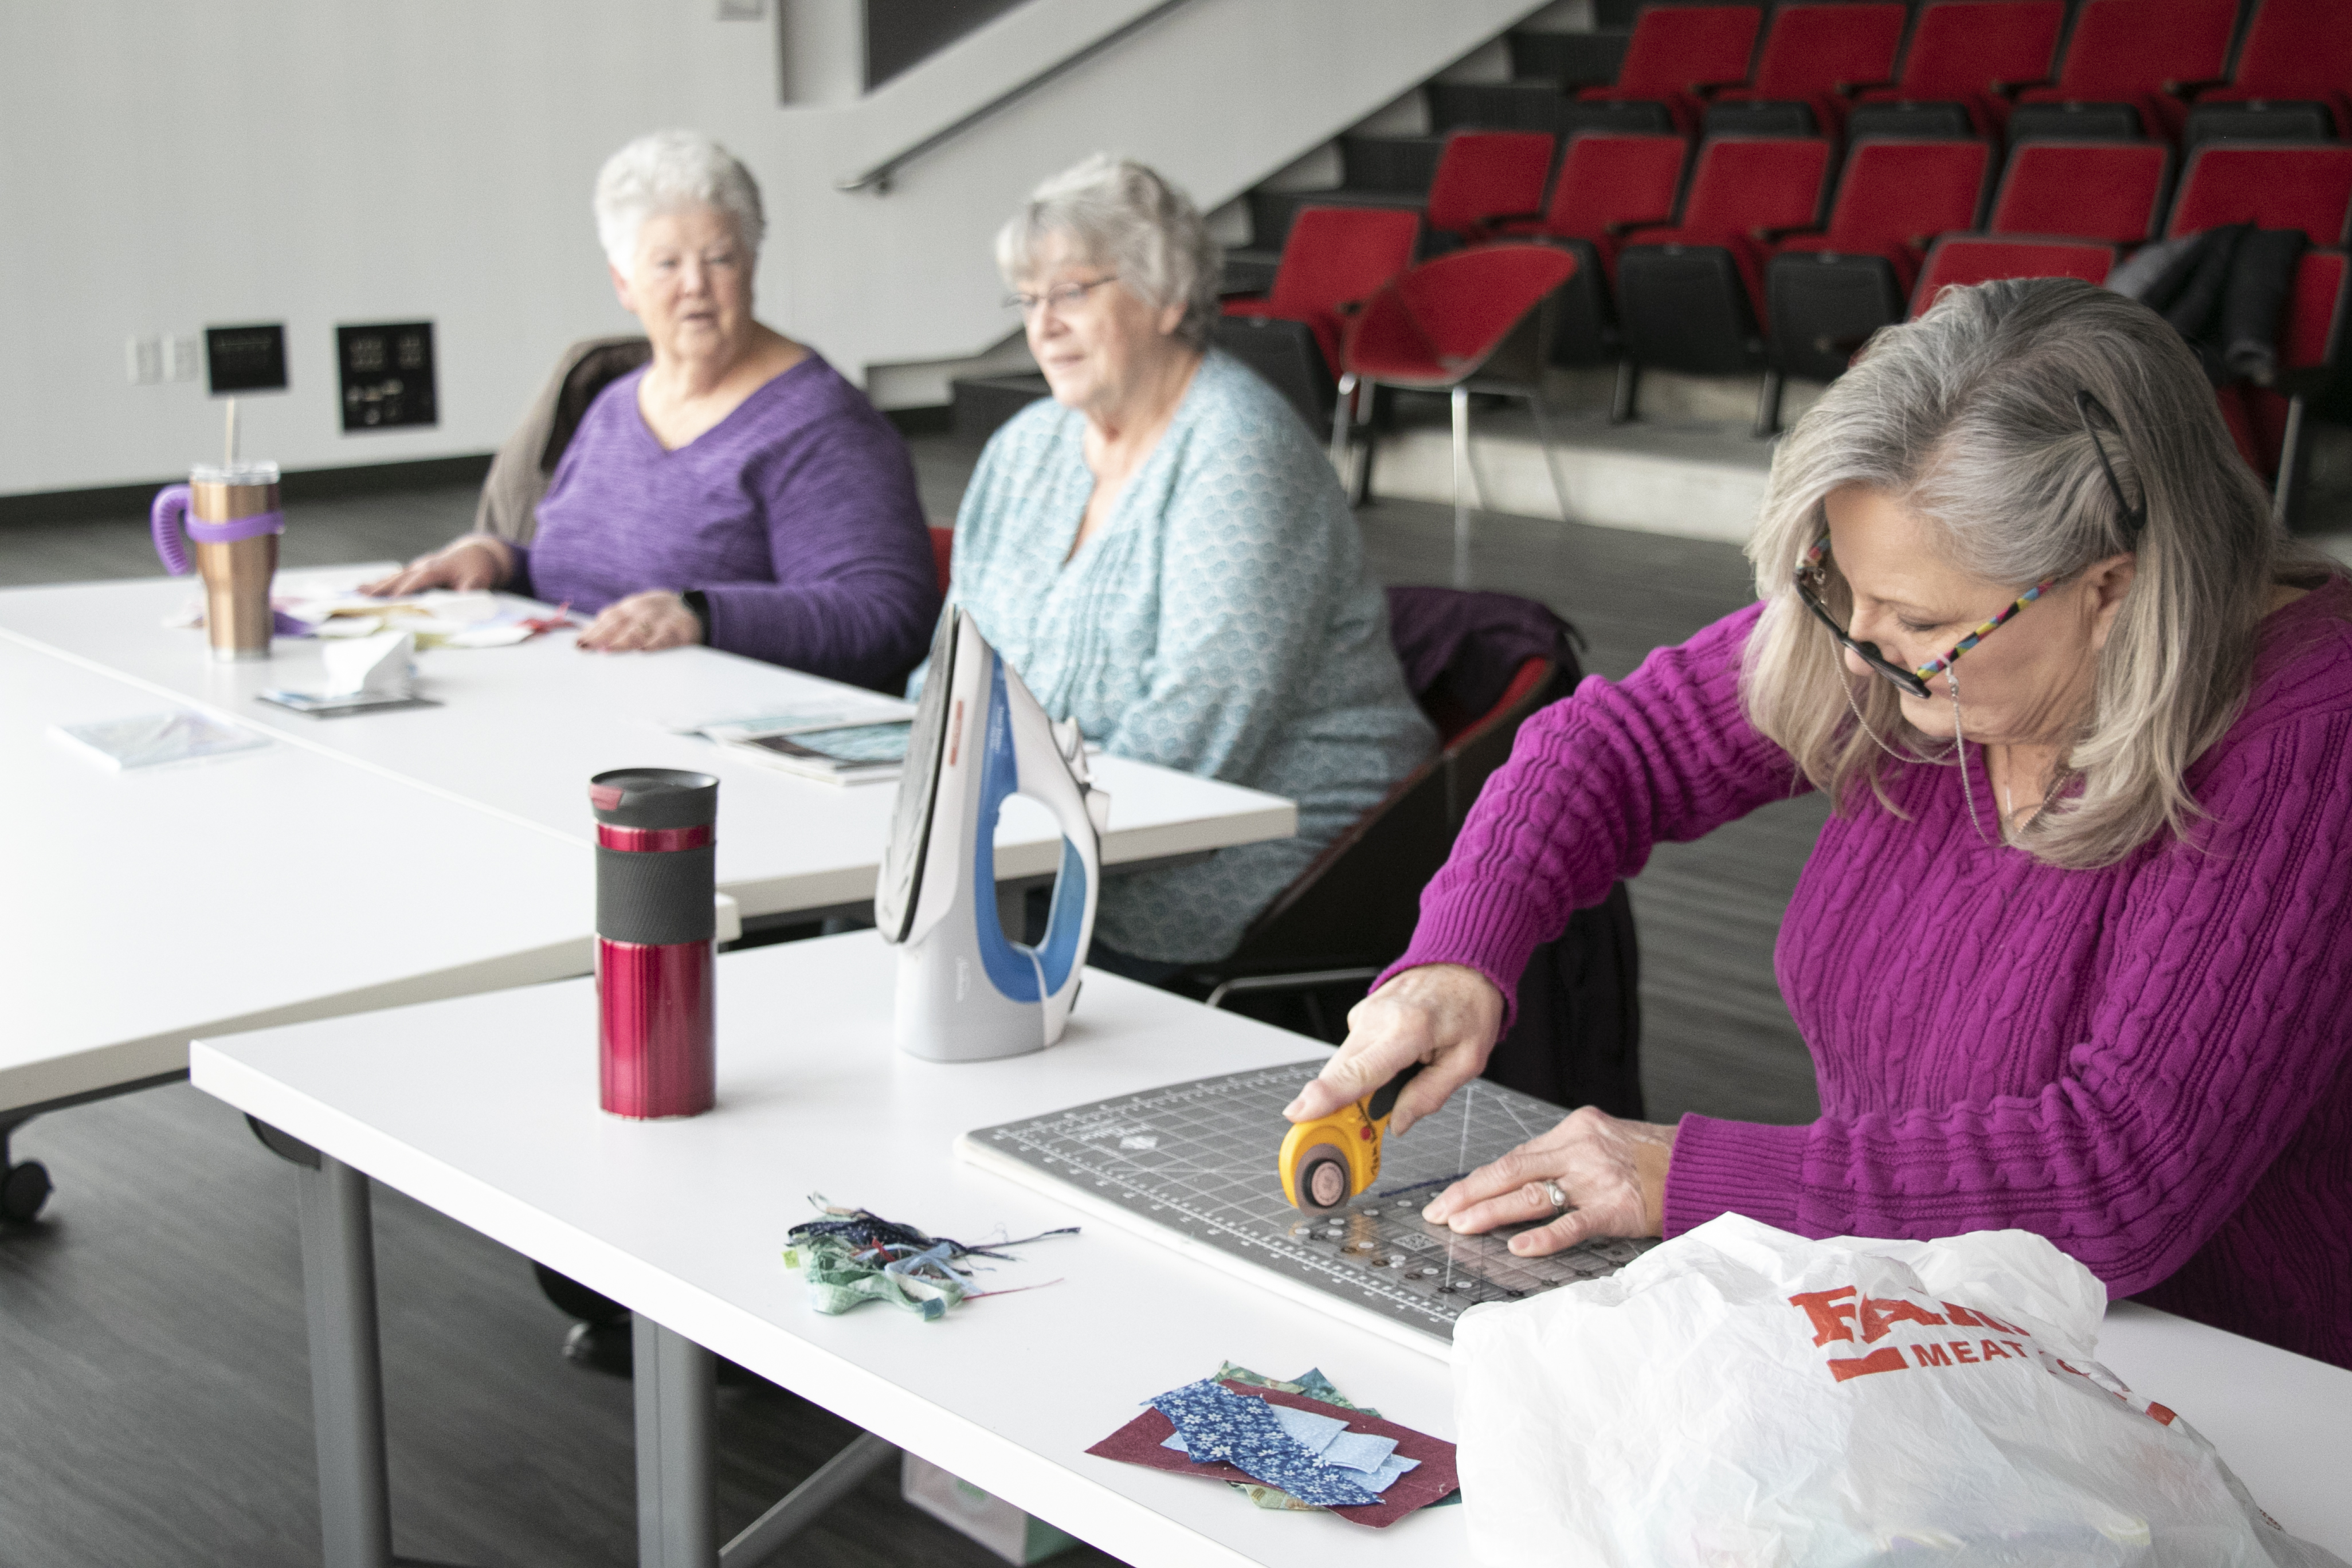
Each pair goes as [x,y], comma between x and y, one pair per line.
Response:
[857,593]
[1593,782]
[2220,1026]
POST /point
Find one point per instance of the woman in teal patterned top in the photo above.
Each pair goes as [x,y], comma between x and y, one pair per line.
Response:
[1163,553]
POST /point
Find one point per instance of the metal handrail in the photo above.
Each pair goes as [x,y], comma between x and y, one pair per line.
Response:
[877,178]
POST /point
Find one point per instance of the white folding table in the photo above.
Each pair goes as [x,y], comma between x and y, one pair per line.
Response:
[142,909]
[485,1109]
[522,729]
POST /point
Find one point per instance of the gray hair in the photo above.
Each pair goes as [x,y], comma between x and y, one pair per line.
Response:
[665,170]
[1119,213]
[1968,417]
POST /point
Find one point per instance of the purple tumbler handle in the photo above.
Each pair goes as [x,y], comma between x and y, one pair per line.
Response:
[165,518]
[169,515]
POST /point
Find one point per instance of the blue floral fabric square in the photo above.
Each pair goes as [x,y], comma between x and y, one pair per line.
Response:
[1216,1423]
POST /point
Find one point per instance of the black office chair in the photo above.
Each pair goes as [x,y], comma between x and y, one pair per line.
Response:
[1479,665]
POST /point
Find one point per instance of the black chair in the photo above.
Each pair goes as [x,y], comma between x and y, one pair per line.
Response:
[1478,673]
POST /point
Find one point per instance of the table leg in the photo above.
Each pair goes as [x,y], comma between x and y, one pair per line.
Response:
[346,1373]
[678,1525]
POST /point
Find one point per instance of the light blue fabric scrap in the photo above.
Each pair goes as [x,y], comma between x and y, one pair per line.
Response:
[1358,1451]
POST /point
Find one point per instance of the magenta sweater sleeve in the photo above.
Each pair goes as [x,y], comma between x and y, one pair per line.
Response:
[2221,1022]
[1593,782]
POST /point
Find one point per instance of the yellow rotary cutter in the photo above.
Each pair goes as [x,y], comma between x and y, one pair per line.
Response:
[1327,1162]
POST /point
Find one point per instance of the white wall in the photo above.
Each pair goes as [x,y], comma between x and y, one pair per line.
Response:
[165,167]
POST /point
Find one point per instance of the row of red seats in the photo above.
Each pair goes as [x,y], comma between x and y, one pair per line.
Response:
[1753,201]
[1746,274]
[2129,68]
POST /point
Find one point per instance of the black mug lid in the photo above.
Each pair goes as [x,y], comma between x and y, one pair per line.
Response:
[654,797]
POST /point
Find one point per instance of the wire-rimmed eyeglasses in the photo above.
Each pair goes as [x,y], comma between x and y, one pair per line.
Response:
[1060,298]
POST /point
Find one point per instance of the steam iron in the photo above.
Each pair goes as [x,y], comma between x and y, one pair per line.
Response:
[966,991]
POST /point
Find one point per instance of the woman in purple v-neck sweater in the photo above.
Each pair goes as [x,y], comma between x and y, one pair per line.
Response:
[2074,952]
[736,491]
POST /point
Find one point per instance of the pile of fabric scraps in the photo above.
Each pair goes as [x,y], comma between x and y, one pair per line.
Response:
[1295,1445]
[854,1254]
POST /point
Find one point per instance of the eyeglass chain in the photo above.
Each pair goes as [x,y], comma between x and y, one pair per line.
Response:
[1957,749]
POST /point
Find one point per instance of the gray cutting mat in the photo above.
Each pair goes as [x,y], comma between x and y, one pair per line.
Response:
[1193,1163]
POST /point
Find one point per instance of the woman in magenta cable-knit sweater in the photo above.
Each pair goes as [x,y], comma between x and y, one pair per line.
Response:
[2074,952]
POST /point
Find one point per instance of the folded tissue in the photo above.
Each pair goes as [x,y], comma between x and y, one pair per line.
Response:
[382,665]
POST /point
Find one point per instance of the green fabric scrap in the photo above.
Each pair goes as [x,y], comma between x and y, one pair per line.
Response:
[838,1280]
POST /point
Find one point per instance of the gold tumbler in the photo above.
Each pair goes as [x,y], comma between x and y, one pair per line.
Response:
[233,520]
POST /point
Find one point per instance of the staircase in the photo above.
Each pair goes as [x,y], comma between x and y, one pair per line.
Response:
[1689,467]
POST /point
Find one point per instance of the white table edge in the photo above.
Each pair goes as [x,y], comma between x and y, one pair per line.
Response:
[1064,1496]
[95,1069]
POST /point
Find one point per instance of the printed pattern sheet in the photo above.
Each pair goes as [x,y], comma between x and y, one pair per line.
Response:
[1199,1158]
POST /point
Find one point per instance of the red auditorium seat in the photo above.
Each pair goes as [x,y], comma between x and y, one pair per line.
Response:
[1678,51]
[1957,260]
[2129,68]
[1469,322]
[1828,292]
[1813,57]
[1965,55]
[2111,191]
[1607,184]
[2294,76]
[1487,177]
[2272,184]
[1690,296]
[1335,256]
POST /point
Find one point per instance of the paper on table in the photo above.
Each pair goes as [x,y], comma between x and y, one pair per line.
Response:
[824,710]
[157,740]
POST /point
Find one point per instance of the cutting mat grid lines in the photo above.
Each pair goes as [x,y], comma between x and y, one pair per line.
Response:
[1198,1159]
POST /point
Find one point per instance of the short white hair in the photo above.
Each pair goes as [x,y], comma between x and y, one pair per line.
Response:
[665,170]
[1117,213]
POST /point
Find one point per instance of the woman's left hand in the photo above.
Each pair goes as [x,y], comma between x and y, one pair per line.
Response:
[1612,1172]
[642,623]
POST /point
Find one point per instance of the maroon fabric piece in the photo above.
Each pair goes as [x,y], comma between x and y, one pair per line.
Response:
[1139,1443]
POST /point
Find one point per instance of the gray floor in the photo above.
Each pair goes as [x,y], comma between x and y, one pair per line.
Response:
[154,1405]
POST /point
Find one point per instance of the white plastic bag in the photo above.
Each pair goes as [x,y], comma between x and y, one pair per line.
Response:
[1741,1395]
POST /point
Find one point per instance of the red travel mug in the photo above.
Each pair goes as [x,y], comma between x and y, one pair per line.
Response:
[656,844]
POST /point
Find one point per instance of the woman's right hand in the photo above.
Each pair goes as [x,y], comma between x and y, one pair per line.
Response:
[477,561]
[1442,1015]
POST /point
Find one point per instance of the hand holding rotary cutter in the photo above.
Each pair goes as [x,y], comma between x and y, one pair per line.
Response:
[1327,1161]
